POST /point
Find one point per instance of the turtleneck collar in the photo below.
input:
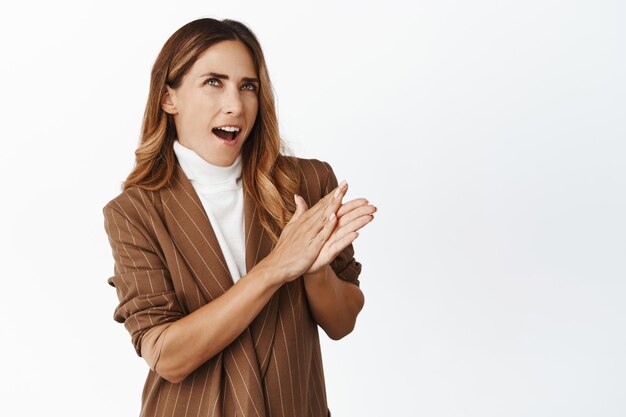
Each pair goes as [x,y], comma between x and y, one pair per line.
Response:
[205,174]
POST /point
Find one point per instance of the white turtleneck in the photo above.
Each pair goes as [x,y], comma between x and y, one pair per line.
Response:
[221,193]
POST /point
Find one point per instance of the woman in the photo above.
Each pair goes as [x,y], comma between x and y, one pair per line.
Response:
[229,254]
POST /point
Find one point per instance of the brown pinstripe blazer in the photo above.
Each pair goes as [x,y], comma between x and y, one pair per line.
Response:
[168,263]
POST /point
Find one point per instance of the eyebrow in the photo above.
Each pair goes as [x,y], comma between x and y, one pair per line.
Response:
[225,77]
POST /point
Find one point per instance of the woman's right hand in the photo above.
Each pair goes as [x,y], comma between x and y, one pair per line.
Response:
[304,235]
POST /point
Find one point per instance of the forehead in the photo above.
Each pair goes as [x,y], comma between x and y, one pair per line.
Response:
[225,57]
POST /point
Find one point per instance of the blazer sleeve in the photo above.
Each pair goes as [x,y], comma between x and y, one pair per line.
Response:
[345,266]
[144,287]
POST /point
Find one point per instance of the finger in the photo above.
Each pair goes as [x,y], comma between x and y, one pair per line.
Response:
[301,207]
[340,244]
[353,226]
[338,195]
[351,205]
[319,213]
[356,213]
[332,201]
[335,195]
[301,202]
[328,228]
[344,227]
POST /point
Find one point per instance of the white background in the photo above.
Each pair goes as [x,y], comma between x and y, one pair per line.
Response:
[490,134]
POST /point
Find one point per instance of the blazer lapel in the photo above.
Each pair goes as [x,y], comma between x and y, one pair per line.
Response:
[191,232]
[263,327]
[258,243]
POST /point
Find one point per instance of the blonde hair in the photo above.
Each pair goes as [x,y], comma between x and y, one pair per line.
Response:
[270,175]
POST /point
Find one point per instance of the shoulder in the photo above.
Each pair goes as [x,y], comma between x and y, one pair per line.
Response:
[314,167]
[312,170]
[316,178]
[133,204]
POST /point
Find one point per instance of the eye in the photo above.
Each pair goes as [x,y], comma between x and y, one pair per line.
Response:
[251,85]
[210,79]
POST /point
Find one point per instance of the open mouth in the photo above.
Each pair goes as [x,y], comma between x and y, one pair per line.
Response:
[226,133]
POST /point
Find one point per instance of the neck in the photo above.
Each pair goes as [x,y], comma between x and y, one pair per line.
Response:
[198,169]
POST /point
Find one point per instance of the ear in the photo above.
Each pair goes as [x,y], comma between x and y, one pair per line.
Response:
[168,101]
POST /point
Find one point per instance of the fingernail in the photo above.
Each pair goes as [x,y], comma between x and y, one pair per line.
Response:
[341,185]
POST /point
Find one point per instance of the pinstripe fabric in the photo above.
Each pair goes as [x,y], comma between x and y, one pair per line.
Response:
[168,263]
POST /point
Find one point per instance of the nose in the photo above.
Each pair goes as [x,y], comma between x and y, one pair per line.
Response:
[232,102]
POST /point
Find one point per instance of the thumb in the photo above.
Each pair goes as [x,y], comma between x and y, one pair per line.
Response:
[300,207]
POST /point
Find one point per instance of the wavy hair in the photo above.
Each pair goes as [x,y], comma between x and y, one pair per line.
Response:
[270,175]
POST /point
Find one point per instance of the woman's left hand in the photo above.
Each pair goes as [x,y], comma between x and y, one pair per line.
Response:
[351,216]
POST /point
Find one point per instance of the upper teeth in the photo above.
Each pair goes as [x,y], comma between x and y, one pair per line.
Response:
[229,128]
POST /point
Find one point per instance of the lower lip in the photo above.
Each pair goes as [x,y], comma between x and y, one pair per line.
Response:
[228,142]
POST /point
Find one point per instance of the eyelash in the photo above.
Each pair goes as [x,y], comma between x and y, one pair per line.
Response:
[210,79]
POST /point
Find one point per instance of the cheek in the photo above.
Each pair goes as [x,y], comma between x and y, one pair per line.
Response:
[252,108]
[199,108]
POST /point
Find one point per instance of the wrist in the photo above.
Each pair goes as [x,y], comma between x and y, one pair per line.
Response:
[271,274]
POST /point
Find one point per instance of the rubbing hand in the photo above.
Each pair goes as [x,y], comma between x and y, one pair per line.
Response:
[351,216]
[305,234]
